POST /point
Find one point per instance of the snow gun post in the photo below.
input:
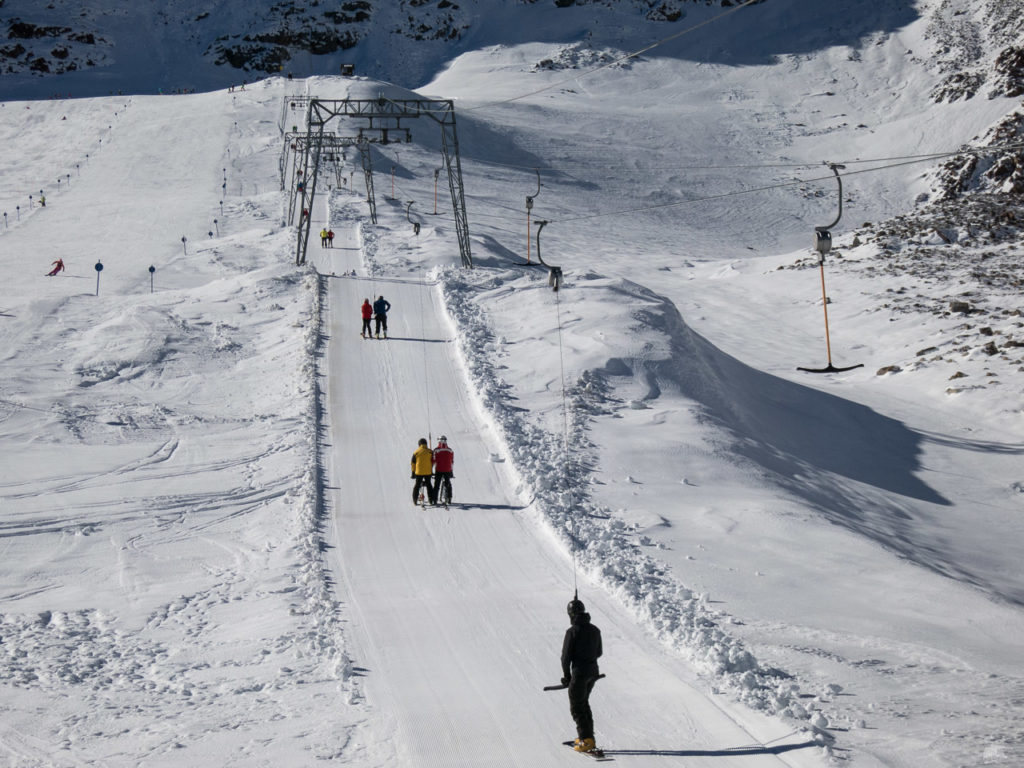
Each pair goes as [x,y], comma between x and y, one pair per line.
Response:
[823,244]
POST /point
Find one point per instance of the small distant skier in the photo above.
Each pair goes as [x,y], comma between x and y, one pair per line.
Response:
[444,467]
[381,307]
[58,267]
[367,310]
[42,201]
[580,651]
[323,238]
[422,469]
[330,238]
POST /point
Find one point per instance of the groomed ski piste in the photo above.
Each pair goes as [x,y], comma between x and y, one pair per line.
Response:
[210,553]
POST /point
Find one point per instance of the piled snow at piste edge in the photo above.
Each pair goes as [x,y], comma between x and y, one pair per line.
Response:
[326,639]
[326,615]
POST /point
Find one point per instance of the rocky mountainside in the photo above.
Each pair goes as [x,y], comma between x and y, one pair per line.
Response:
[228,41]
[45,47]
[960,248]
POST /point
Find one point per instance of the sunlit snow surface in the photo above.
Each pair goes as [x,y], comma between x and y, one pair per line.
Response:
[209,550]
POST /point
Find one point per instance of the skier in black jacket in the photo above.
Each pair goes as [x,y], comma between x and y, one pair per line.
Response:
[580,651]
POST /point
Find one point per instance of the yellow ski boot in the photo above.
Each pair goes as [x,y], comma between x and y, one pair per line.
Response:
[585,745]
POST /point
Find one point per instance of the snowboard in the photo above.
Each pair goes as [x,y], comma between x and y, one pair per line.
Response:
[596,754]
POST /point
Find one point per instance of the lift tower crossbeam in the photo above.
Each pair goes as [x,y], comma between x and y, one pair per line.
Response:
[385,116]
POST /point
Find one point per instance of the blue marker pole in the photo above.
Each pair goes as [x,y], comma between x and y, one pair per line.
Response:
[99,268]
[152,269]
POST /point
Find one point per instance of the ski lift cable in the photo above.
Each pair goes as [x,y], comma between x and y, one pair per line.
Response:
[426,376]
[659,166]
[725,166]
[565,443]
[619,60]
[781,185]
[903,160]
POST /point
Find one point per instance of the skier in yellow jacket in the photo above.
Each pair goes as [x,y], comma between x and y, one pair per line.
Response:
[422,470]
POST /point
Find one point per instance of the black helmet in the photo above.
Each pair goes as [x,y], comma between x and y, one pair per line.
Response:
[443,439]
[422,441]
[575,608]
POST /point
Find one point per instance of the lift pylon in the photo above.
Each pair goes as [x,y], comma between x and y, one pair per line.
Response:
[823,244]
[385,116]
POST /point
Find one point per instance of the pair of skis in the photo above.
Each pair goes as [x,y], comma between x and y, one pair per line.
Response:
[424,503]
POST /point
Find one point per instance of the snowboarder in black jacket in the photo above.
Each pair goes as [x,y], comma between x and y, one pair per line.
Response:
[580,651]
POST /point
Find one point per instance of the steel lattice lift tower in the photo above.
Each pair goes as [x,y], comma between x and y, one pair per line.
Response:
[384,116]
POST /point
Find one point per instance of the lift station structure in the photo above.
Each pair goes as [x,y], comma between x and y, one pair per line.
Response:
[380,122]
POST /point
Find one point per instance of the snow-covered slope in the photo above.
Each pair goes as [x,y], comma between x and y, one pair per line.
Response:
[193,457]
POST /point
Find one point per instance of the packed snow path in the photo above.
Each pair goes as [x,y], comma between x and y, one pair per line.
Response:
[458,614]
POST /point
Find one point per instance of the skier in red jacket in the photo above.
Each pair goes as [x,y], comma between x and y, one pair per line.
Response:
[58,266]
[367,310]
[444,465]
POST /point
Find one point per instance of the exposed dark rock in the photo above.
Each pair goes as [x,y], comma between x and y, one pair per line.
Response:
[20,30]
[1008,79]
